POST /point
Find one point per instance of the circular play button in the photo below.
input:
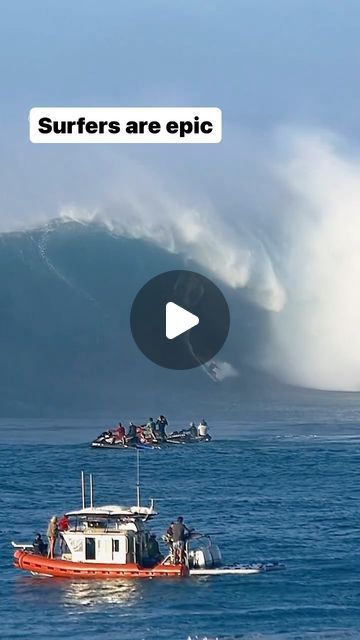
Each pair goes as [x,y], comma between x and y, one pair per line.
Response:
[180,319]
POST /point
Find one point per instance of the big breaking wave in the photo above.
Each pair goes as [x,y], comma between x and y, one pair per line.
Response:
[290,241]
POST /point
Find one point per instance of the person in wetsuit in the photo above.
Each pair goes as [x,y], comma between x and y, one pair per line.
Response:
[131,436]
[40,547]
[161,424]
[193,430]
[154,549]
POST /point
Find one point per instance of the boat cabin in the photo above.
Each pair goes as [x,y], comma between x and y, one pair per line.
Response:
[110,534]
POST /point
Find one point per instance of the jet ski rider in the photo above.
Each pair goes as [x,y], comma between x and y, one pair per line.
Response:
[119,433]
[203,429]
[161,424]
[193,430]
[149,430]
[40,547]
[131,435]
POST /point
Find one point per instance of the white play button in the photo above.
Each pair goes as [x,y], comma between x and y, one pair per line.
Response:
[183,305]
[178,320]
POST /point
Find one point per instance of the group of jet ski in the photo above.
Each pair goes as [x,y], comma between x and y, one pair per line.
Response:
[151,435]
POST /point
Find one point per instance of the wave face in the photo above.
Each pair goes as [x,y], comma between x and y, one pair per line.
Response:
[65,339]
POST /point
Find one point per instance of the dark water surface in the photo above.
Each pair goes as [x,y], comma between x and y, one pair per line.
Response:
[286,492]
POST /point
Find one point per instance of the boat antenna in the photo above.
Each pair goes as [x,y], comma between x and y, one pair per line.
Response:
[138,478]
[83,490]
[91,490]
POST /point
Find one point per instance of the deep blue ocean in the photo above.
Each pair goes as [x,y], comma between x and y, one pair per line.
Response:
[283,487]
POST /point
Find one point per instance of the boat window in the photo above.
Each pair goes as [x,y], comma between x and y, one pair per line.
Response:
[115,546]
[96,524]
[90,548]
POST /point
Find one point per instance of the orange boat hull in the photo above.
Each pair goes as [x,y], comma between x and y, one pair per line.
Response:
[66,569]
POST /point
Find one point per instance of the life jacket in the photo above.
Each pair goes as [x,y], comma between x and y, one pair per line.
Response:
[63,524]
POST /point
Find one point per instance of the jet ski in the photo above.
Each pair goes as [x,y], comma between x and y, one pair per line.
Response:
[110,439]
[185,437]
[107,440]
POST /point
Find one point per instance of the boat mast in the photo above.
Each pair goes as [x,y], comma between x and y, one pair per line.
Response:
[83,489]
[138,478]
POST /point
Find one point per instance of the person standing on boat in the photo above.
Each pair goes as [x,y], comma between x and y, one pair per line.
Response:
[131,436]
[119,433]
[149,431]
[63,525]
[168,537]
[203,429]
[169,533]
[52,534]
[193,430]
[161,424]
[180,533]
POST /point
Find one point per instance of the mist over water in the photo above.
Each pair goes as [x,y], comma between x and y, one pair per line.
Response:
[315,338]
[285,237]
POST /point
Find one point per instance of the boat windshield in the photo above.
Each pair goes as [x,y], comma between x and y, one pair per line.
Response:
[104,523]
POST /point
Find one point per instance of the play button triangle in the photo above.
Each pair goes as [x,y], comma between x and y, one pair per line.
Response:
[178,320]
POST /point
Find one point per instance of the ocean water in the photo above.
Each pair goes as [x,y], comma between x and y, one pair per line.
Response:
[285,489]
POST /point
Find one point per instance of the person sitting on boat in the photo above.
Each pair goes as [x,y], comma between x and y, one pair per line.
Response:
[180,533]
[161,424]
[202,429]
[131,436]
[119,433]
[52,534]
[149,430]
[154,549]
[40,547]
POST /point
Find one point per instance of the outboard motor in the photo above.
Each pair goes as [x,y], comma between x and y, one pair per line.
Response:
[200,559]
[206,555]
[215,554]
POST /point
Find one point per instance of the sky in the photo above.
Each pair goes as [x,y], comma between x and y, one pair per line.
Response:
[263,62]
